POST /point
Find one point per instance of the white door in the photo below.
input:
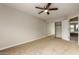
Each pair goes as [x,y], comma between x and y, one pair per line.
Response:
[58,29]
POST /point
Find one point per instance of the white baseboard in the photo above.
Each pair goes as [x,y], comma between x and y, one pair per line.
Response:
[66,39]
[24,42]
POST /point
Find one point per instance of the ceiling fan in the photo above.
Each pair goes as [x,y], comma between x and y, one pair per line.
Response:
[46,9]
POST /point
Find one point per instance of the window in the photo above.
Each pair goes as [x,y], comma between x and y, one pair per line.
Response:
[71,28]
[74,27]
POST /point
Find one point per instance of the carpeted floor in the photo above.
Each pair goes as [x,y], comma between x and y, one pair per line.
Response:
[45,46]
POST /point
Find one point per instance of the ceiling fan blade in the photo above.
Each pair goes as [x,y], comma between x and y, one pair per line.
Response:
[53,9]
[48,13]
[39,7]
[48,5]
[40,12]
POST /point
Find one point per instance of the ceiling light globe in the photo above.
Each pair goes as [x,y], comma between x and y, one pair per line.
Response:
[46,11]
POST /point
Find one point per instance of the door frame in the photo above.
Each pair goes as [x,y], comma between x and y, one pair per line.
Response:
[78,28]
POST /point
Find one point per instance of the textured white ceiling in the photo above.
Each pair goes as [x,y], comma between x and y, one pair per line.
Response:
[64,9]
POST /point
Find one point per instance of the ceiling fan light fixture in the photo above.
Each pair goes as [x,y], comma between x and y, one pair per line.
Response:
[45,10]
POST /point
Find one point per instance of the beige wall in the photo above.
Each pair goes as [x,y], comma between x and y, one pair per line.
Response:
[17,27]
[51,28]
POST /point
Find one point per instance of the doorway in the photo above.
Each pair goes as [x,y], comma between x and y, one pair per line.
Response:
[58,29]
[74,29]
